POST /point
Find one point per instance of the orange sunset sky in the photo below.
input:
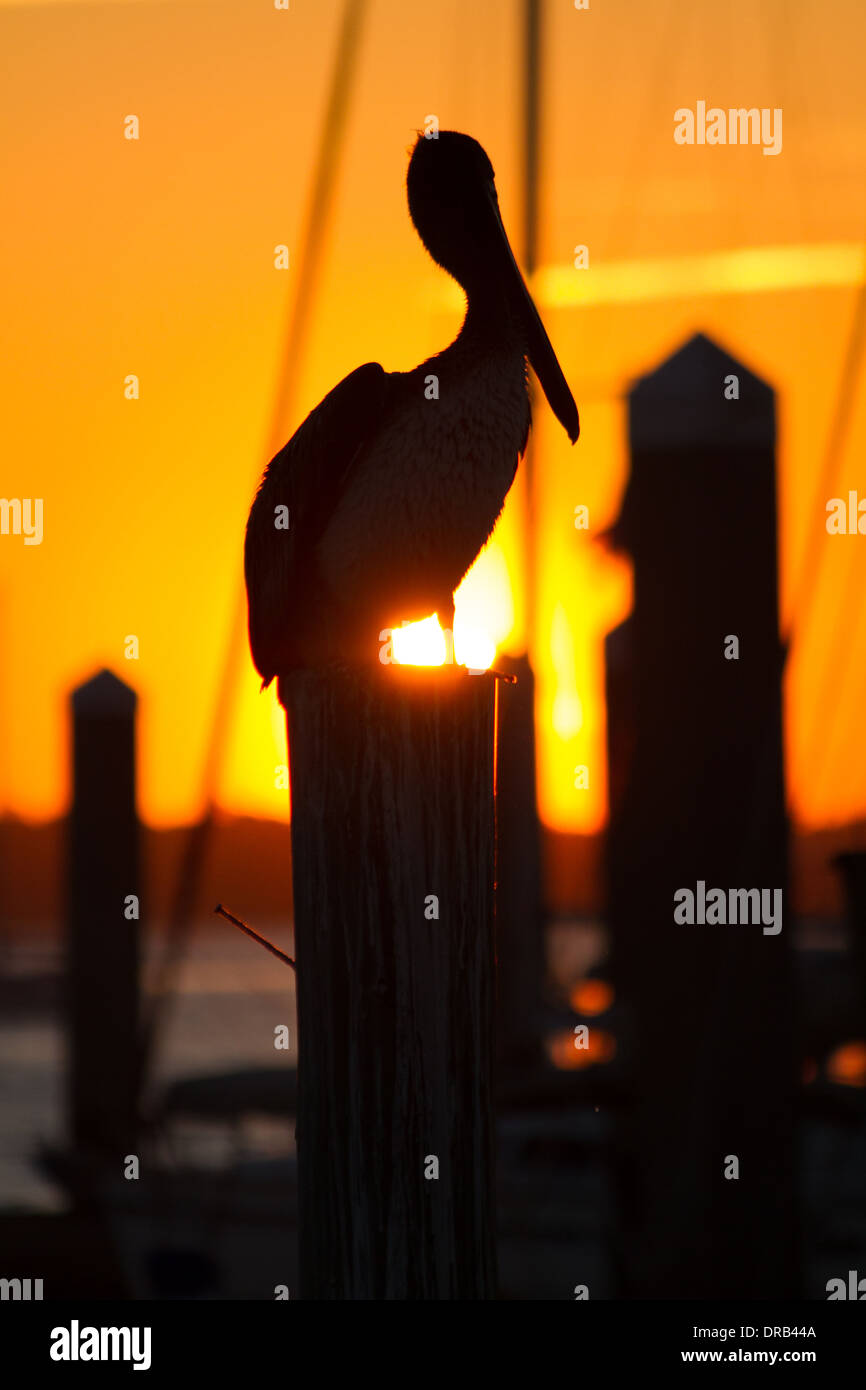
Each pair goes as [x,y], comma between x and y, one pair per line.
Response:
[156,257]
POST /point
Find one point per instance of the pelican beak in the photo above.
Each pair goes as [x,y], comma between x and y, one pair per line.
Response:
[539,349]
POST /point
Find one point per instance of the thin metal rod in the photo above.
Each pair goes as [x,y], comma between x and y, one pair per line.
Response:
[262,940]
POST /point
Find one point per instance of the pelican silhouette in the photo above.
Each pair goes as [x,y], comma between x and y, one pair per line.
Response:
[394,482]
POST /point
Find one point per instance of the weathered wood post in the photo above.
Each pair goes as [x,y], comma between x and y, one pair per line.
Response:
[697,804]
[393,875]
[102,939]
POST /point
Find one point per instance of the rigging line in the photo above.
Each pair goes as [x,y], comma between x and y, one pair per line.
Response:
[673,32]
[310,259]
[795,627]
[835,671]
[839,648]
[313,242]
[534,37]
[831,740]
[762,767]
[783,42]
[533,34]
[800,607]
[804,596]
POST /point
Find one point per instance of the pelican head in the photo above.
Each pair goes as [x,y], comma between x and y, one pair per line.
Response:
[455,209]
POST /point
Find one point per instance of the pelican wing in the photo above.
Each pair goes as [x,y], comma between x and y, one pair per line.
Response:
[298,493]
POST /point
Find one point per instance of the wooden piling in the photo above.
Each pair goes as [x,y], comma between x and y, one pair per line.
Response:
[393,874]
[697,794]
[102,940]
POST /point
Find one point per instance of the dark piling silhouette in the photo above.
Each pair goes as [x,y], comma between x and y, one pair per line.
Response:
[696,776]
[102,942]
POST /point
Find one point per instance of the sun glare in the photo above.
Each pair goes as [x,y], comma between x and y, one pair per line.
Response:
[420,644]
[426,644]
[483,620]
